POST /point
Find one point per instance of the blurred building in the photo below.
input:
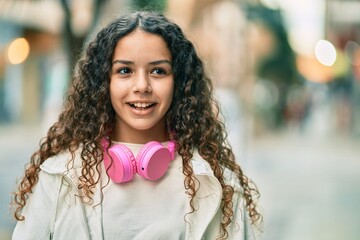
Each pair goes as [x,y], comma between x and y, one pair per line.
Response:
[32,90]
[33,76]
[254,51]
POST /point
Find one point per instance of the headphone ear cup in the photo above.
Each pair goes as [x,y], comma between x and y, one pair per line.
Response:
[123,166]
[153,160]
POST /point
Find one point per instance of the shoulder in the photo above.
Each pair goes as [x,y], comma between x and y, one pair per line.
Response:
[232,180]
[199,165]
[202,167]
[61,162]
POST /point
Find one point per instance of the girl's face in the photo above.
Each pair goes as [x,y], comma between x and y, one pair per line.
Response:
[141,87]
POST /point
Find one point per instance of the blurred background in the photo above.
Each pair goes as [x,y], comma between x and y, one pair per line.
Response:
[286,73]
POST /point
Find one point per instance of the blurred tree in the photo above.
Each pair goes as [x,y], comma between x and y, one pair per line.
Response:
[74,42]
[151,5]
[279,65]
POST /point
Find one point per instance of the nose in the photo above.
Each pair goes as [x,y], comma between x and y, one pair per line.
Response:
[141,83]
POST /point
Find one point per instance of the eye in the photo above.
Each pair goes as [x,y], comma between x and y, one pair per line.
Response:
[124,71]
[158,71]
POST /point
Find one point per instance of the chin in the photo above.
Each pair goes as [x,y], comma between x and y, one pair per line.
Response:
[143,127]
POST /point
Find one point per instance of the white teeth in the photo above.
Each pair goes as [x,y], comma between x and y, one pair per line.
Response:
[142,105]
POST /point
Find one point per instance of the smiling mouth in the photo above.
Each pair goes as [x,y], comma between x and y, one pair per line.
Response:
[140,106]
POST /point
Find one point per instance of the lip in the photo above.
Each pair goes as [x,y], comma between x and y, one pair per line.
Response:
[141,107]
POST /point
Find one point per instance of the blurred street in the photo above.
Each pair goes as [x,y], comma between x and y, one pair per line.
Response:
[309,185]
[17,143]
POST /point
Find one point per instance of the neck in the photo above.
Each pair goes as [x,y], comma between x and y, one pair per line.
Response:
[140,136]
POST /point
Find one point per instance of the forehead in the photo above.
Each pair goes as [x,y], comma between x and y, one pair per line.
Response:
[141,43]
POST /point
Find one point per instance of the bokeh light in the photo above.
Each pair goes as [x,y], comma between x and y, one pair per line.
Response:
[325,52]
[18,51]
[351,48]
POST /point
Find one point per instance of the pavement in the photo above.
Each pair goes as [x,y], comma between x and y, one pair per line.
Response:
[309,185]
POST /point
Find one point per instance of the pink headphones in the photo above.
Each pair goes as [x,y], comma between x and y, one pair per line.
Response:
[151,162]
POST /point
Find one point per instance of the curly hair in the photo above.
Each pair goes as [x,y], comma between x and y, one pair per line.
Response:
[193,116]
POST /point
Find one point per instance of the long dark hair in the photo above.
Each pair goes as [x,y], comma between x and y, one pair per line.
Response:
[88,116]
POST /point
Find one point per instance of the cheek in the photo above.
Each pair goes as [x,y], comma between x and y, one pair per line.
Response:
[170,94]
[116,92]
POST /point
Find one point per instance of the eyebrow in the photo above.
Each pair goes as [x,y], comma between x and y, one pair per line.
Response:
[160,62]
[126,62]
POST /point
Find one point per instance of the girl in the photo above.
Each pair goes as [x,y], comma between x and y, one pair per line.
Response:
[138,151]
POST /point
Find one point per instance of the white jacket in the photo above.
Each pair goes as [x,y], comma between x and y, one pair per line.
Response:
[52,211]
